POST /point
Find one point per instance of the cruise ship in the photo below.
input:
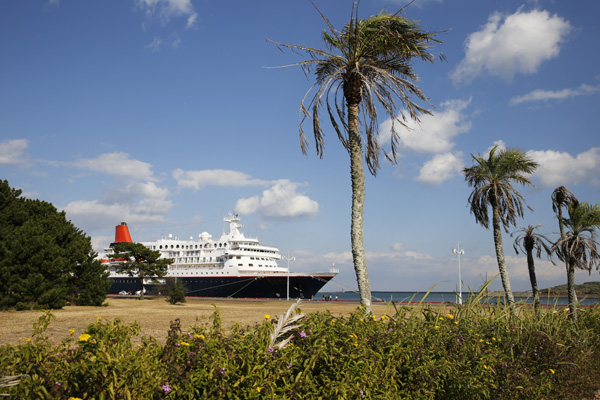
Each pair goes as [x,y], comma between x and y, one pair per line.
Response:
[232,266]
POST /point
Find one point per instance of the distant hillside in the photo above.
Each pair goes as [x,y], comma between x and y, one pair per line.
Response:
[584,288]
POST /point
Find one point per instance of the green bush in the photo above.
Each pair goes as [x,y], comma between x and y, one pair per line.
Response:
[472,351]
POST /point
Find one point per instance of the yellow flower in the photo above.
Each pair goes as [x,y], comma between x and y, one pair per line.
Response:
[184,344]
[450,316]
[493,338]
[258,389]
[436,327]
[267,316]
[74,398]
[355,344]
[84,337]
[480,340]
[28,339]
[456,322]
[551,370]
[441,318]
[383,317]
[199,336]
[71,331]
[485,366]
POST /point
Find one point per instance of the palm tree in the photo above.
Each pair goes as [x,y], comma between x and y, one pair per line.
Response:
[578,247]
[528,241]
[491,181]
[368,62]
[562,197]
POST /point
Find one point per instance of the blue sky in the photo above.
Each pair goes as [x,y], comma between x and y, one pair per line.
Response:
[161,113]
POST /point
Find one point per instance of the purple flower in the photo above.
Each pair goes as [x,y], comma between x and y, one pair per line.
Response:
[166,388]
[270,349]
[361,393]
[222,371]
[58,383]
[289,366]
[189,334]
[302,334]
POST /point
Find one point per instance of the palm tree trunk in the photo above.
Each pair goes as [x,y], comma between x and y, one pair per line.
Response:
[357,175]
[500,255]
[562,236]
[532,278]
[571,290]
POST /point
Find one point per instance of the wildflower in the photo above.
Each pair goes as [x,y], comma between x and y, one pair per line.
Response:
[58,383]
[222,370]
[258,389]
[302,334]
[355,344]
[199,336]
[436,327]
[184,344]
[289,366]
[71,331]
[189,335]
[84,337]
[166,388]
[485,366]
[267,316]
[28,339]
[74,398]
[551,370]
[450,316]
[361,393]
[270,349]
[441,318]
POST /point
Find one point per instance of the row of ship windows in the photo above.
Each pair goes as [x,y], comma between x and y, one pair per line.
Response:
[206,246]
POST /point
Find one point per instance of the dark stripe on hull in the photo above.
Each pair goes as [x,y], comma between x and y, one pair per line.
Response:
[245,287]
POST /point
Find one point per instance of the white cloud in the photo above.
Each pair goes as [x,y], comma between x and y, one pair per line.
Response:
[515,44]
[441,168]
[134,203]
[214,177]
[165,10]
[546,95]
[117,164]
[155,45]
[282,200]
[13,151]
[560,168]
[435,132]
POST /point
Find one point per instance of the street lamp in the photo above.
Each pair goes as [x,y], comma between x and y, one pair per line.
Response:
[458,251]
[288,273]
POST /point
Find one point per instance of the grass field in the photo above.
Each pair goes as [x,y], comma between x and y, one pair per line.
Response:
[155,315]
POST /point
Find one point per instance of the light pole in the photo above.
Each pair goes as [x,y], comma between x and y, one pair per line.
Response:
[288,273]
[458,251]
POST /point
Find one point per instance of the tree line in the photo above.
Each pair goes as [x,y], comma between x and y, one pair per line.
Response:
[45,261]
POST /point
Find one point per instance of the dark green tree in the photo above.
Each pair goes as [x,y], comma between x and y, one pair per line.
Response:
[175,291]
[578,247]
[44,258]
[491,180]
[144,263]
[527,242]
[369,63]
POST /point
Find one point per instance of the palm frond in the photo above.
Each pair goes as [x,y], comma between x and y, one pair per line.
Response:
[284,325]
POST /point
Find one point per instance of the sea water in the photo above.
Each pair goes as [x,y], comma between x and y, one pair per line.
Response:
[440,297]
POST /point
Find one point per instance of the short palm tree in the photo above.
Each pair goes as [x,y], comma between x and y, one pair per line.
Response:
[527,242]
[578,247]
[491,180]
[562,197]
[368,62]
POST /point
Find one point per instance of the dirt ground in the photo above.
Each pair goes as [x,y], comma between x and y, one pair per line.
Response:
[155,315]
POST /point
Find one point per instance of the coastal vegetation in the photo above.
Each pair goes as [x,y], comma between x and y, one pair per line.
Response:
[463,351]
[366,64]
[45,261]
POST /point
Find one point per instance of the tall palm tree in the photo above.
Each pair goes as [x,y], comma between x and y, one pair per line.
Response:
[562,197]
[491,181]
[527,242]
[368,62]
[578,247]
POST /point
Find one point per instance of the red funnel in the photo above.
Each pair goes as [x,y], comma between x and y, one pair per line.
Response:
[122,233]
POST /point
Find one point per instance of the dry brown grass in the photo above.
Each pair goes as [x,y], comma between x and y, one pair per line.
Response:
[154,315]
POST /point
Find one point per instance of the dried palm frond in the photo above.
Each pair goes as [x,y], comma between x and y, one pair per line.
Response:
[284,325]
